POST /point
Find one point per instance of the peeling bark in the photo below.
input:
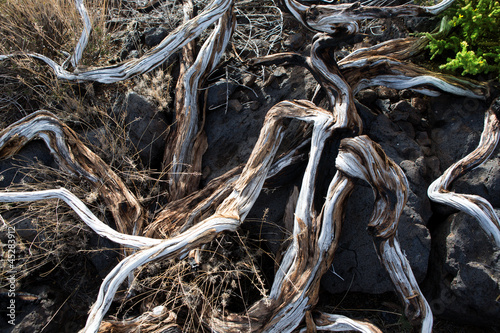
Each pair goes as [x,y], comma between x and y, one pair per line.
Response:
[338,323]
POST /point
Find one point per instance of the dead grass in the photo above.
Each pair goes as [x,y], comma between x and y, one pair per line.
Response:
[48,232]
[228,279]
[51,28]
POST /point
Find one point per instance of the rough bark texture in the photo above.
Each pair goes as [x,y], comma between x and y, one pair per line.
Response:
[194,217]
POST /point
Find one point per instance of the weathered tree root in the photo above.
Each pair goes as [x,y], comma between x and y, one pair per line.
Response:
[338,323]
[372,66]
[342,18]
[230,213]
[195,219]
[187,143]
[474,205]
[175,41]
[75,158]
[84,38]
[362,158]
[84,213]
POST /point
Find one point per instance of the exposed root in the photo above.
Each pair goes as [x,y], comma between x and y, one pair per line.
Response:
[439,191]
[196,218]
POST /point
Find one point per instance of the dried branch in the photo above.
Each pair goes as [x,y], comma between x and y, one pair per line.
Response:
[187,143]
[84,38]
[194,218]
[439,191]
[151,59]
[342,18]
[338,323]
[325,70]
[75,158]
[367,70]
[362,158]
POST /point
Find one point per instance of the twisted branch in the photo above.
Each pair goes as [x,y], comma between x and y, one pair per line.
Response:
[176,40]
[474,205]
[362,158]
[76,159]
[342,18]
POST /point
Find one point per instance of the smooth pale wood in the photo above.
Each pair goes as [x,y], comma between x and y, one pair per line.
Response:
[192,221]
[474,205]
[84,213]
[370,70]
[399,48]
[84,37]
[338,323]
[315,237]
[75,158]
[326,71]
[377,65]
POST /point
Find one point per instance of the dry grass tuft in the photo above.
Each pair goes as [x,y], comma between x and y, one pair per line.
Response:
[48,233]
[228,278]
[45,27]
[156,85]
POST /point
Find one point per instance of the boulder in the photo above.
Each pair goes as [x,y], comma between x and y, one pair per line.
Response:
[464,276]
[456,123]
[146,128]
[153,36]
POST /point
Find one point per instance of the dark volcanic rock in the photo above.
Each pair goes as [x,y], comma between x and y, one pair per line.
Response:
[32,152]
[464,279]
[147,128]
[153,36]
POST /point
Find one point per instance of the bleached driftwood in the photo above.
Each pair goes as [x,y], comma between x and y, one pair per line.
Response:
[362,158]
[84,37]
[337,323]
[342,18]
[175,41]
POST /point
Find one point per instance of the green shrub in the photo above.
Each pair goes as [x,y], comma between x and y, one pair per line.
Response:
[470,40]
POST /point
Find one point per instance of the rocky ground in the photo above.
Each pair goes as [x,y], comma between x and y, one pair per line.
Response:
[457,265]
